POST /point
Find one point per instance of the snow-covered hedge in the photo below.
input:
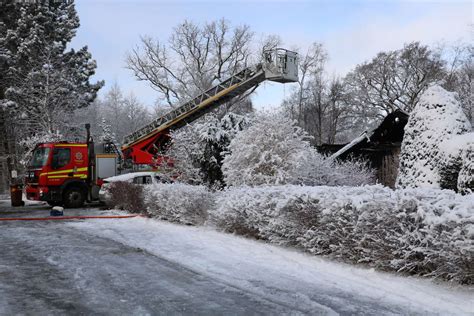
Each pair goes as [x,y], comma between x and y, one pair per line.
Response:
[178,202]
[425,232]
[420,231]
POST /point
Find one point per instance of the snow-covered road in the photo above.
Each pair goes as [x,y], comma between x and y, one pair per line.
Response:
[140,266]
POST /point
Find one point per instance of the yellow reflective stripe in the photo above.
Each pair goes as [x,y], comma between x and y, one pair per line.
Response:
[82,176]
[70,145]
[57,172]
[63,171]
[106,155]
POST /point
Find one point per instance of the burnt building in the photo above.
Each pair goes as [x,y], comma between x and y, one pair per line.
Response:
[381,147]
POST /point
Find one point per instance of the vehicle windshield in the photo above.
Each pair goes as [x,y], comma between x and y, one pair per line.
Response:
[40,157]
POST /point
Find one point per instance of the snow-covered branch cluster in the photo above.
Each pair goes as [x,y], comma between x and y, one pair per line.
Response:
[198,149]
[274,150]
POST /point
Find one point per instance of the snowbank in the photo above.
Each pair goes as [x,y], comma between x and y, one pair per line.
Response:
[425,232]
[302,282]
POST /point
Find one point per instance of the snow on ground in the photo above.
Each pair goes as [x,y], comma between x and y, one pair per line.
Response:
[5,200]
[285,275]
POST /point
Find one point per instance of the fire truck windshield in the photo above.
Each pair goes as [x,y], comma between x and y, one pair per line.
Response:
[40,157]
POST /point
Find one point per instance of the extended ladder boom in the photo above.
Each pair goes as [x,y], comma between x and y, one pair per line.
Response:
[200,105]
[279,65]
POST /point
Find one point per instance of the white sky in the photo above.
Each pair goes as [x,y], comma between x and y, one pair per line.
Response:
[352,31]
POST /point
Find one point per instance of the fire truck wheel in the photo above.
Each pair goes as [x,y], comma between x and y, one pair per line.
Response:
[73,197]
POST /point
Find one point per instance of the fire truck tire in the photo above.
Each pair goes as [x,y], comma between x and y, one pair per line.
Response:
[74,197]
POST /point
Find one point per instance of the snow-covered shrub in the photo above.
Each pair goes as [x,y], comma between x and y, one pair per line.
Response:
[126,196]
[267,152]
[106,135]
[437,117]
[425,232]
[179,202]
[316,169]
[451,159]
[274,150]
[465,183]
[186,151]
[198,149]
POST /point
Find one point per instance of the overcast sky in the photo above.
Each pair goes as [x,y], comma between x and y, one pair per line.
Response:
[351,31]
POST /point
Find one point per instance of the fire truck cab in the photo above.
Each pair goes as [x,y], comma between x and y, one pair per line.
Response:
[58,172]
[69,174]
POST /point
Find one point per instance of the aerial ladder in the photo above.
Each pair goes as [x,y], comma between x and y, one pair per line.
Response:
[144,146]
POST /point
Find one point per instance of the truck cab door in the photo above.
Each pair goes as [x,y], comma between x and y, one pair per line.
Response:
[61,158]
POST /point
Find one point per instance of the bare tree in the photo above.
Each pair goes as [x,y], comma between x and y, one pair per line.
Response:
[193,58]
[124,114]
[317,104]
[136,114]
[395,79]
[460,74]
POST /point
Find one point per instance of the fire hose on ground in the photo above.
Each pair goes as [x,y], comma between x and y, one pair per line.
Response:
[54,218]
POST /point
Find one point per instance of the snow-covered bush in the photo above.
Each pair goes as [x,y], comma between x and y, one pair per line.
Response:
[419,231]
[437,117]
[465,183]
[316,169]
[106,135]
[126,196]
[198,149]
[452,159]
[178,202]
[274,150]
[267,152]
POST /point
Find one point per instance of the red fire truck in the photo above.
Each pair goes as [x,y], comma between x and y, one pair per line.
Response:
[70,173]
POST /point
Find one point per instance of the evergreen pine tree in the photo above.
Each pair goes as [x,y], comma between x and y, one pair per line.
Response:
[46,82]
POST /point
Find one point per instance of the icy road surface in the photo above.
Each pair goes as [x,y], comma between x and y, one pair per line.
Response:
[144,267]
